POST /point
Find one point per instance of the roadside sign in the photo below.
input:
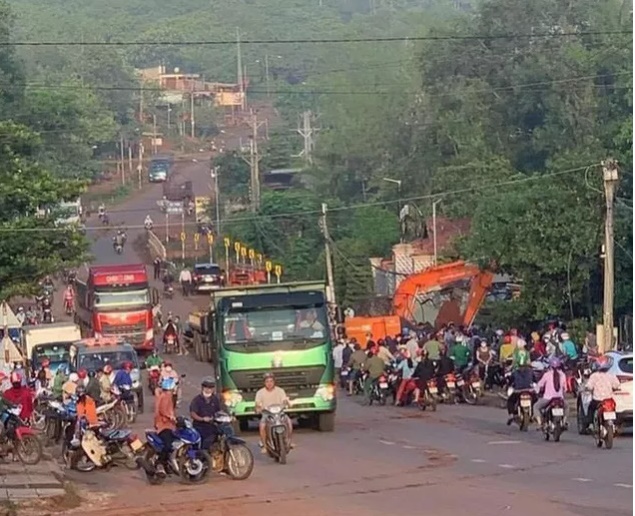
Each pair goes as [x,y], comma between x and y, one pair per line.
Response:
[268,266]
[174,208]
[278,271]
[252,254]
[227,242]
[183,236]
[210,238]
[197,237]
[259,257]
[237,247]
[243,251]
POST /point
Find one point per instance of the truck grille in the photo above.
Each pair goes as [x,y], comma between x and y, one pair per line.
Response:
[293,378]
[122,329]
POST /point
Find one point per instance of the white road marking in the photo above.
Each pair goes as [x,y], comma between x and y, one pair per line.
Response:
[479,461]
[407,447]
[627,486]
[583,480]
[506,466]
[389,443]
[504,442]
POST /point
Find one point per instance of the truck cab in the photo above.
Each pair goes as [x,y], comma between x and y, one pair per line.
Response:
[280,328]
[160,168]
[117,301]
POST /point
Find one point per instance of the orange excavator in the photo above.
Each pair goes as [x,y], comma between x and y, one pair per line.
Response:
[453,292]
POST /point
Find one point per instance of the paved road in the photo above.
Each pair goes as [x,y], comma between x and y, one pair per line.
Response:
[383,460]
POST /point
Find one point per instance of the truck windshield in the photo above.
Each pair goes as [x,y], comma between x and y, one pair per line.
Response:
[93,361]
[275,325]
[55,354]
[119,299]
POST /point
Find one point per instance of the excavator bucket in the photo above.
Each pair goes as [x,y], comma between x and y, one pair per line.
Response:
[440,295]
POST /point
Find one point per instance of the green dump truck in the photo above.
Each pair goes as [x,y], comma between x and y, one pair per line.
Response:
[281,328]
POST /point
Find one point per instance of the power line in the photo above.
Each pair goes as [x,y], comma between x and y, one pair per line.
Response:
[388,39]
[269,217]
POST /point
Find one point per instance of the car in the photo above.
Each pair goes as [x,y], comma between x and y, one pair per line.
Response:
[621,365]
[207,276]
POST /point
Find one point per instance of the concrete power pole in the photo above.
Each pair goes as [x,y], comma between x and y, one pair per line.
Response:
[330,287]
[192,126]
[253,162]
[239,67]
[611,176]
[307,132]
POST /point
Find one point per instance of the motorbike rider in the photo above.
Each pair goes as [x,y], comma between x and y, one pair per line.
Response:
[375,367]
[44,375]
[19,394]
[61,376]
[520,356]
[266,397]
[460,353]
[148,222]
[601,384]
[122,377]
[119,239]
[83,377]
[521,380]
[168,372]
[86,406]
[170,329]
[569,349]
[506,350]
[101,210]
[154,360]
[202,410]
[93,386]
[165,421]
[105,384]
[384,353]
[445,366]
[406,368]
[355,363]
[69,388]
[484,359]
[423,373]
[552,384]
[69,297]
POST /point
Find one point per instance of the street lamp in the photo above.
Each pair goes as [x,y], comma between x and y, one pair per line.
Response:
[398,183]
[214,175]
[434,229]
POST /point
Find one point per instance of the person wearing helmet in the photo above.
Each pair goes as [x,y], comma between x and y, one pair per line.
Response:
[383,352]
[61,377]
[202,410]
[21,315]
[69,388]
[520,356]
[168,371]
[165,420]
[405,368]
[122,377]
[600,384]
[568,349]
[460,353]
[86,406]
[105,384]
[44,375]
[18,394]
[552,385]
[154,360]
[82,374]
[485,360]
[93,387]
[423,373]
[506,350]
[266,397]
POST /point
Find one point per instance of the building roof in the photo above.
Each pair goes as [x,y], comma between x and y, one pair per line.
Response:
[448,230]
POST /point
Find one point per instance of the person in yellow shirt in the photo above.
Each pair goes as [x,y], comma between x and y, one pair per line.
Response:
[506,350]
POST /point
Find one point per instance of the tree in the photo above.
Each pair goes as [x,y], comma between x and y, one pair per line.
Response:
[31,247]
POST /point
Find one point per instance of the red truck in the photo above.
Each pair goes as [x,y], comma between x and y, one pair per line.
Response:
[117,300]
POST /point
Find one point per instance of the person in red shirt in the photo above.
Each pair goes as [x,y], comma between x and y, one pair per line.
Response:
[18,394]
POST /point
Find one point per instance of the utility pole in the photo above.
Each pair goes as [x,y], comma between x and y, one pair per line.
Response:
[434,231]
[610,175]
[330,287]
[123,162]
[129,159]
[239,75]
[154,134]
[267,75]
[253,162]
[306,131]
[140,165]
[192,109]
[214,175]
[141,105]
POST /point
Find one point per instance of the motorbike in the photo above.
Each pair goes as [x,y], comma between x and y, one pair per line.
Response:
[358,386]
[100,448]
[379,390]
[524,409]
[68,306]
[344,376]
[553,419]
[124,394]
[19,439]
[277,443]
[168,291]
[449,393]
[230,454]
[468,385]
[154,374]
[118,247]
[604,424]
[428,397]
[113,414]
[148,225]
[56,417]
[169,343]
[71,277]
[187,459]
[47,315]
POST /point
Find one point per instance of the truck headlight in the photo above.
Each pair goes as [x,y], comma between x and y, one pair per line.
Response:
[232,398]
[150,334]
[326,392]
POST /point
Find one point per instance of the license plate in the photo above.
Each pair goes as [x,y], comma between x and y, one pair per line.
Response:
[344,373]
[476,385]
[136,445]
[525,403]
[433,390]
[609,416]
[460,383]
[383,385]
[557,411]
[451,385]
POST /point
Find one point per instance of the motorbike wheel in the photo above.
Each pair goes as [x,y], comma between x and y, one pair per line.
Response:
[131,412]
[524,422]
[608,440]
[38,421]
[583,427]
[130,461]
[193,471]
[29,450]
[382,399]
[282,448]
[120,417]
[470,396]
[239,462]
[557,430]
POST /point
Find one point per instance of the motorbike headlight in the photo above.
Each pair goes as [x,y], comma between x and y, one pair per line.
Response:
[232,398]
[150,334]
[326,392]
[135,384]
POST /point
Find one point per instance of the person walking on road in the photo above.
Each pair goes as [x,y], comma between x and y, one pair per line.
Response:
[157,268]
[185,278]
[179,336]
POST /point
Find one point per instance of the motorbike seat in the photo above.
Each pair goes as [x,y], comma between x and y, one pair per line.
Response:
[115,435]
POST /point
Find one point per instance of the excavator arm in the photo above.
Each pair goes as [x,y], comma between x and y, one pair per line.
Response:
[448,293]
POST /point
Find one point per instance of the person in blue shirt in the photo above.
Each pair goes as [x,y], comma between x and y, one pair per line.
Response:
[123,376]
[569,349]
[406,368]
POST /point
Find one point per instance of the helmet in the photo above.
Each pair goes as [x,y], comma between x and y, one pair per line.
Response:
[21,309]
[602,363]
[507,339]
[82,373]
[565,336]
[208,382]
[500,333]
[73,377]
[168,384]
[167,363]
[555,363]
[521,343]
[127,366]
[107,369]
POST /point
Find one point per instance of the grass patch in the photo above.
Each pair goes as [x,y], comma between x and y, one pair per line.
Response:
[8,508]
[109,197]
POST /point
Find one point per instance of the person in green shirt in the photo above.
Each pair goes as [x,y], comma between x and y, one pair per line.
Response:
[375,367]
[460,354]
[433,347]
[154,359]
[355,362]
[520,357]
[59,380]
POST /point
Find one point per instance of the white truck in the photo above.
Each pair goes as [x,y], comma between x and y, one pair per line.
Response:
[49,341]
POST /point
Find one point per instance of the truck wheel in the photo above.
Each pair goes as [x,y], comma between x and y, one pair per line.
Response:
[326,421]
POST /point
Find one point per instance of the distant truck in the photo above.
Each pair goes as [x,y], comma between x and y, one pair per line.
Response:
[117,301]
[160,168]
[279,328]
[50,342]
[178,192]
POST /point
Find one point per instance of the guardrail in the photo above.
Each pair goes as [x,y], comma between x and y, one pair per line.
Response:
[156,247]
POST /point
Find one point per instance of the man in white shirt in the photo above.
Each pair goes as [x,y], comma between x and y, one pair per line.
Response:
[185,278]
[338,350]
[266,397]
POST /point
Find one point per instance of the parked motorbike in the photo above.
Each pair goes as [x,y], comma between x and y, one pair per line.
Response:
[92,448]
[604,424]
[449,393]
[468,386]
[230,454]
[168,291]
[187,459]
[428,397]
[18,439]
[113,414]
[379,391]
[277,442]
[553,419]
